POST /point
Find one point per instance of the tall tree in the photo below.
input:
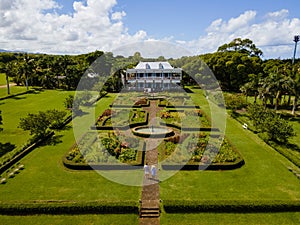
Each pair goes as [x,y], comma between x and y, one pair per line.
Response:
[241,45]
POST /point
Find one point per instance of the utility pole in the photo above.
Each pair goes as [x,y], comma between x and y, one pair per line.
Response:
[296,39]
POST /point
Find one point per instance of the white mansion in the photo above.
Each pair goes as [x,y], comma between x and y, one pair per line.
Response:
[153,76]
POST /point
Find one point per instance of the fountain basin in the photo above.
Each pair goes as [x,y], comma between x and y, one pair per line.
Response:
[153,132]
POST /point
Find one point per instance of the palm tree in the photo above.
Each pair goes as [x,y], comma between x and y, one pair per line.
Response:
[7,69]
[295,87]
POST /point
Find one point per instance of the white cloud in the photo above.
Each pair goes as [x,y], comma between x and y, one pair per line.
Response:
[274,34]
[34,25]
[278,15]
[118,15]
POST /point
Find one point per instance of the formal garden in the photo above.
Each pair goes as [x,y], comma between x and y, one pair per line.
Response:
[263,182]
[64,161]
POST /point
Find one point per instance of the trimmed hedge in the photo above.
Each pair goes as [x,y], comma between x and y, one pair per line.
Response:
[183,107]
[131,106]
[65,207]
[17,154]
[138,164]
[238,163]
[126,127]
[230,206]
[283,150]
[190,128]
[286,153]
[214,166]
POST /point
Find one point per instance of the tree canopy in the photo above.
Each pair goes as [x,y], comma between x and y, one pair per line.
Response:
[241,45]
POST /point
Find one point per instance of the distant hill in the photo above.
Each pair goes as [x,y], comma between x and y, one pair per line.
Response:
[4,50]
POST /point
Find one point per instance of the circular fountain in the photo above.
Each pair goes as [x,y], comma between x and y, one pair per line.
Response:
[153,132]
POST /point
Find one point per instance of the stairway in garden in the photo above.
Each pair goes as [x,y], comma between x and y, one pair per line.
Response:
[149,210]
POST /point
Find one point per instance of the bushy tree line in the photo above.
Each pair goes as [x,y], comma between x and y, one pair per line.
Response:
[49,71]
[39,123]
[271,126]
[237,66]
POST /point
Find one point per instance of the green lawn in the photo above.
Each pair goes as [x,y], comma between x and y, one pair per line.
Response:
[108,219]
[13,90]
[15,108]
[231,218]
[264,176]
[45,178]
[2,79]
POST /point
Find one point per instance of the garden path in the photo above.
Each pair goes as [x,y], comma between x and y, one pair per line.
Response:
[149,214]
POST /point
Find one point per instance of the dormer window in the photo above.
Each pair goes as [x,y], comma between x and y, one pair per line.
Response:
[161,66]
[147,66]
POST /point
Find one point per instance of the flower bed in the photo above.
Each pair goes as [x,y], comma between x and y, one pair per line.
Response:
[185,118]
[121,118]
[180,101]
[199,150]
[104,149]
[129,101]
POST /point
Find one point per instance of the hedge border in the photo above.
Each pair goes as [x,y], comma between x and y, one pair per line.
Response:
[230,206]
[138,164]
[182,107]
[69,207]
[213,166]
[126,127]
[278,148]
[17,157]
[131,106]
[190,128]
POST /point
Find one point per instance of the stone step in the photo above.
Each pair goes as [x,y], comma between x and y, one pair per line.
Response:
[149,212]
[149,216]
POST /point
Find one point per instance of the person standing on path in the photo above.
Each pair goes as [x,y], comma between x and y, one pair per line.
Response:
[146,170]
[153,172]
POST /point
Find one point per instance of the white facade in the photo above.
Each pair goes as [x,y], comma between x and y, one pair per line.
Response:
[157,76]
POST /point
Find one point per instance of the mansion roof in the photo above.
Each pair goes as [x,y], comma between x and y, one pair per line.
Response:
[153,65]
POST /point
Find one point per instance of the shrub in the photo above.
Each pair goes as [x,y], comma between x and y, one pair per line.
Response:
[44,207]
[235,101]
[39,123]
[269,123]
[232,206]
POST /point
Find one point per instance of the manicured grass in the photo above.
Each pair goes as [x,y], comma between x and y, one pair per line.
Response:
[296,139]
[2,79]
[264,176]
[231,218]
[13,90]
[45,178]
[107,219]
[15,108]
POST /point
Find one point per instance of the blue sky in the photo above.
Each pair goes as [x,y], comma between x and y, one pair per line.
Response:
[72,27]
[189,18]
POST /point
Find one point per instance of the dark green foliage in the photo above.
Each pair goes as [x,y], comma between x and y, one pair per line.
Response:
[39,123]
[230,206]
[7,147]
[269,123]
[58,207]
[235,101]
[69,102]
[241,45]
[1,121]
[56,117]
[107,149]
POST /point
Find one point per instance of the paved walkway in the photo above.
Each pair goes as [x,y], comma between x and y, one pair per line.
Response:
[149,213]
